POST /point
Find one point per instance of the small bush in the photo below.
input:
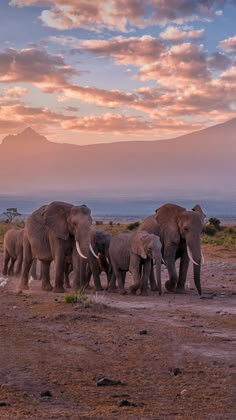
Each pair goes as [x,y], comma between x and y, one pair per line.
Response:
[210,230]
[133,225]
[215,222]
[79,297]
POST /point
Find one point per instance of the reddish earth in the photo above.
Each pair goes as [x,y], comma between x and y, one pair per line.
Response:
[175,355]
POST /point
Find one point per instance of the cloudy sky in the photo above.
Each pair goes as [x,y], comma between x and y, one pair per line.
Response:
[86,71]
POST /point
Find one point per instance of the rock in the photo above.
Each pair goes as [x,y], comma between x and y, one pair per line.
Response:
[103,381]
[45,394]
[4,404]
[126,403]
[175,371]
[183,393]
[143,332]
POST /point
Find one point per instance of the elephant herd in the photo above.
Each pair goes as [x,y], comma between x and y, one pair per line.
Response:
[63,233]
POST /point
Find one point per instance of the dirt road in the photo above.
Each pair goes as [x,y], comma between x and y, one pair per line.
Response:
[174,355]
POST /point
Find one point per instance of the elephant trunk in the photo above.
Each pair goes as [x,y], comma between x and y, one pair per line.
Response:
[196,276]
[195,256]
[158,259]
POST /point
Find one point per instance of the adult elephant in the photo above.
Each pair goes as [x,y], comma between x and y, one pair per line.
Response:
[132,252]
[100,241]
[53,232]
[180,231]
[12,251]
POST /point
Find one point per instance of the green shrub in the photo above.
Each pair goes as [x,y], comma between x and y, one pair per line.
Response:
[133,225]
[210,230]
[80,297]
[215,222]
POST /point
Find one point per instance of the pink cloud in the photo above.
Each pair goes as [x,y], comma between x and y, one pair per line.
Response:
[119,14]
[32,65]
[175,34]
[228,44]
[137,51]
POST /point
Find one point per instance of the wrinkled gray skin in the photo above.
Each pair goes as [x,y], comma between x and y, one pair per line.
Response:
[50,234]
[150,225]
[180,229]
[13,251]
[100,241]
[130,251]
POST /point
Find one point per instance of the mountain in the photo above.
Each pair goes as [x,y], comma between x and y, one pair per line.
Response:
[199,163]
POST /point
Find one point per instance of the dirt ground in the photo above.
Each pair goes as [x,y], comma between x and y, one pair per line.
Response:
[174,355]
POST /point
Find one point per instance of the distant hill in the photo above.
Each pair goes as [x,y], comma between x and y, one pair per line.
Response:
[202,162]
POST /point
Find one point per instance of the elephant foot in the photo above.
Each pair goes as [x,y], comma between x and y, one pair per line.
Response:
[112,289]
[47,287]
[154,289]
[11,273]
[24,286]
[99,289]
[169,286]
[180,290]
[122,291]
[59,289]
[67,285]
[133,290]
[144,292]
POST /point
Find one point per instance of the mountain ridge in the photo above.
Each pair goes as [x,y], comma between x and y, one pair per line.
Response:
[198,161]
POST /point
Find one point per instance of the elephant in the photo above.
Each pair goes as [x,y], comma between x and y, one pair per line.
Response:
[100,241]
[130,251]
[53,232]
[13,251]
[180,230]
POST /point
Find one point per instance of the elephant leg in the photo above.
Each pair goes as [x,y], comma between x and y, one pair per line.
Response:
[18,265]
[123,275]
[27,262]
[112,283]
[117,275]
[60,270]
[169,257]
[10,271]
[120,277]
[66,275]
[6,261]
[183,269]
[152,280]
[33,270]
[145,276]
[45,271]
[135,269]
[95,272]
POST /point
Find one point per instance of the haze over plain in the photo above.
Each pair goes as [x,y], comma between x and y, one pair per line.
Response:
[129,73]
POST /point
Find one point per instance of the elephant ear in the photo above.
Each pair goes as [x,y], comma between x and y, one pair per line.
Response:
[198,208]
[55,218]
[137,246]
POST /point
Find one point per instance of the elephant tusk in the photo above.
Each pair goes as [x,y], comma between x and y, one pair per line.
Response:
[108,262]
[190,256]
[92,251]
[163,261]
[79,250]
[203,261]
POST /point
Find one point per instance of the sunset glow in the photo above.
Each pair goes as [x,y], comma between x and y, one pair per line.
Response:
[87,72]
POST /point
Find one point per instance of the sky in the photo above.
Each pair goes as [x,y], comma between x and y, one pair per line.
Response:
[87,72]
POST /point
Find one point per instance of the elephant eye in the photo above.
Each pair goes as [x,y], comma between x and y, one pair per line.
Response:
[186,229]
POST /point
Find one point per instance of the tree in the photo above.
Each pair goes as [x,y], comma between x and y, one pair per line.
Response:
[11,212]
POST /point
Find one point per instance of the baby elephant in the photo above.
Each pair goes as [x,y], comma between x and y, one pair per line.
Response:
[13,251]
[134,252]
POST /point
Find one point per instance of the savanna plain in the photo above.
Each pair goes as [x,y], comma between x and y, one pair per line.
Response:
[168,357]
